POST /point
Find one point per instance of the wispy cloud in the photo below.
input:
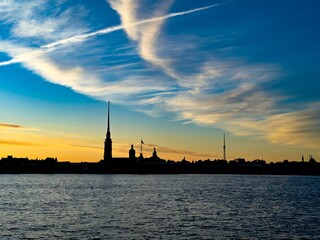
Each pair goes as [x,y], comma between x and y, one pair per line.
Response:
[83,37]
[218,92]
[179,154]
[18,143]
[299,128]
[86,146]
[11,128]
[129,23]
[10,125]
[79,79]
[158,73]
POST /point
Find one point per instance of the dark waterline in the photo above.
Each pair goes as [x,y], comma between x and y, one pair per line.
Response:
[159,207]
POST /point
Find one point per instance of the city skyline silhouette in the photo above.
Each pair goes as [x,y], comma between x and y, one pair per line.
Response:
[140,164]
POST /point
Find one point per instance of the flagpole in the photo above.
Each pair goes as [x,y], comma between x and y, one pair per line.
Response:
[224,146]
[141,147]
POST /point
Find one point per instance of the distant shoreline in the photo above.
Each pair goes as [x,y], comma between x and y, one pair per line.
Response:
[203,167]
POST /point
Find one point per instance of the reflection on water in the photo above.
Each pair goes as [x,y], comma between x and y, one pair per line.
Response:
[159,206]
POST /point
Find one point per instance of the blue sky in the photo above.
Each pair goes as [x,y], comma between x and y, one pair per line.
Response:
[178,74]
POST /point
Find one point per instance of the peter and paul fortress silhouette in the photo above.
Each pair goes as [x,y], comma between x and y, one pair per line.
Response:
[126,164]
[156,165]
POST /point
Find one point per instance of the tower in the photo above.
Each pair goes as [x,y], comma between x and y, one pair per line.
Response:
[154,154]
[224,147]
[108,142]
[132,153]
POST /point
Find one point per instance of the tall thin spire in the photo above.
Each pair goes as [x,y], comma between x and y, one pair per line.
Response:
[224,146]
[108,129]
[108,142]
[108,124]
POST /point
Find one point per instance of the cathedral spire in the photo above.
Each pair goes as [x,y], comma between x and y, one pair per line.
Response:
[108,124]
[108,117]
[108,142]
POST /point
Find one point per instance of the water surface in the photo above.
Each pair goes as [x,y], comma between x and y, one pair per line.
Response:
[159,207]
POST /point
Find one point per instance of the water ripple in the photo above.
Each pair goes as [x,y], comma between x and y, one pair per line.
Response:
[159,207]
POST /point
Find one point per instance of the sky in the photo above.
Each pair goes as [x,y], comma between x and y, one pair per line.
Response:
[179,74]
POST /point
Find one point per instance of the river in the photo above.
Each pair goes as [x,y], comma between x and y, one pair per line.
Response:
[84,206]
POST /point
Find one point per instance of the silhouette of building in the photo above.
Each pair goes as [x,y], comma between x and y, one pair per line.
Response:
[132,153]
[154,154]
[108,142]
[311,159]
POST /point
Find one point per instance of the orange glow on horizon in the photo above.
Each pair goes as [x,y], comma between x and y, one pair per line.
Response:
[34,143]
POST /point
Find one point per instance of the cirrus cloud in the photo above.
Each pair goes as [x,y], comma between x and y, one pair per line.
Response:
[159,73]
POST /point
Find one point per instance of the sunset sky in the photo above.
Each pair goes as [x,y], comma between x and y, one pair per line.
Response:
[178,73]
